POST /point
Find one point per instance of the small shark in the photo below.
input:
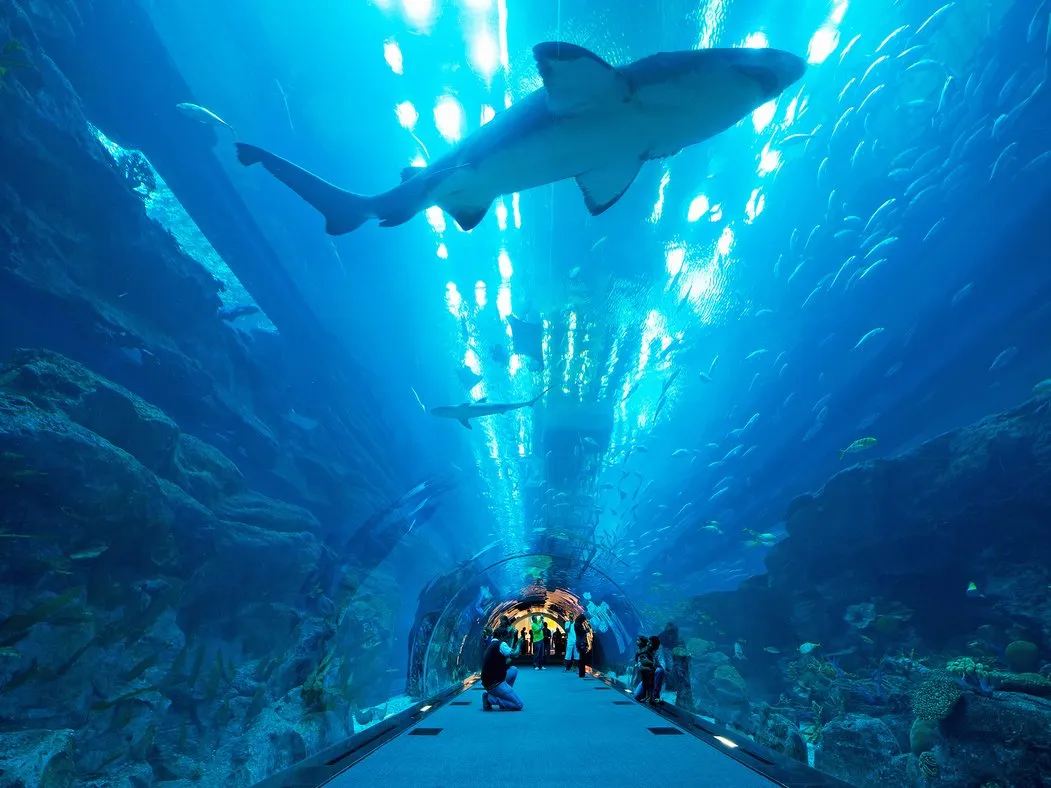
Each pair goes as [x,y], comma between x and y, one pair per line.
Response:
[590,121]
[476,410]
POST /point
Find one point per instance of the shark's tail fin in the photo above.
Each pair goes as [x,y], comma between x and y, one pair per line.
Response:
[344,211]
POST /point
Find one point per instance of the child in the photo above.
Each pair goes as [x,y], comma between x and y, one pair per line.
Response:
[641,644]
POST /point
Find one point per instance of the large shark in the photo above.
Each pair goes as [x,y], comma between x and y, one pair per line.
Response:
[476,410]
[590,121]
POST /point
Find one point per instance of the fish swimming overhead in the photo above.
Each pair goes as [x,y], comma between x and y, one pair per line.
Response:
[476,410]
[202,115]
[590,121]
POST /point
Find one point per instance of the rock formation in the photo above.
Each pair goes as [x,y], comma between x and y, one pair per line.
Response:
[914,676]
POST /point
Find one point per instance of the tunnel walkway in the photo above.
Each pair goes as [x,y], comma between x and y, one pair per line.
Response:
[573,732]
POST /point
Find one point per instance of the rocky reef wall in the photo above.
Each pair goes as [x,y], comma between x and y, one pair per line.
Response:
[902,632]
[85,272]
[175,493]
[160,619]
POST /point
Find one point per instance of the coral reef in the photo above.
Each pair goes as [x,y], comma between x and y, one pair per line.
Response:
[918,577]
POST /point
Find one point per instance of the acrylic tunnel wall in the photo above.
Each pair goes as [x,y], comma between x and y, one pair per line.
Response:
[447,640]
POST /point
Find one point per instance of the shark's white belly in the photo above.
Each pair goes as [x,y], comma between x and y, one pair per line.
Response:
[561,149]
[655,124]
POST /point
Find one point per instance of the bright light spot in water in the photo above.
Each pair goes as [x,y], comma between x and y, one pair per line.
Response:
[822,44]
[658,207]
[504,261]
[472,362]
[761,117]
[769,160]
[716,215]
[436,219]
[478,5]
[837,13]
[726,241]
[392,54]
[517,212]
[479,294]
[501,14]
[756,41]
[407,115]
[703,288]
[485,54]
[514,364]
[698,208]
[418,161]
[571,342]
[419,12]
[453,299]
[711,23]
[503,300]
[674,258]
[790,112]
[448,118]
[488,113]
[654,328]
[443,252]
[755,205]
[501,214]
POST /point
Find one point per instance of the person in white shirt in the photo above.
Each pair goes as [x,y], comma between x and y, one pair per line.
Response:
[571,644]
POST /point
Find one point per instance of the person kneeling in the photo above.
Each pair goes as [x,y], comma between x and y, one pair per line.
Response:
[650,670]
[498,680]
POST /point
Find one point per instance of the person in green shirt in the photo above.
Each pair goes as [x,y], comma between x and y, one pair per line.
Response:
[536,623]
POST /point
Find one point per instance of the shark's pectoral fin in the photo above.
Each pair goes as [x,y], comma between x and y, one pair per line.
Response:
[466,423]
[467,216]
[576,78]
[604,187]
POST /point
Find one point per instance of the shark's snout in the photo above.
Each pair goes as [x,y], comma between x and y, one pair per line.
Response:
[772,70]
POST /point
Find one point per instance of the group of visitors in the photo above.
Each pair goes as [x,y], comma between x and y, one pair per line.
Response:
[648,669]
[502,645]
[505,643]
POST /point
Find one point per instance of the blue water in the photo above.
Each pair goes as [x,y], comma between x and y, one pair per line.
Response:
[864,258]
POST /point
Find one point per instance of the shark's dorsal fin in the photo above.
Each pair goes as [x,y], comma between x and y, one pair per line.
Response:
[466,423]
[467,217]
[604,187]
[576,78]
[409,172]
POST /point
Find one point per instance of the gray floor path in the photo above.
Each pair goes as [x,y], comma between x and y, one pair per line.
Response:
[579,733]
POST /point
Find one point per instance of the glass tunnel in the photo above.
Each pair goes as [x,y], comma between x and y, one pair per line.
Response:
[374,375]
